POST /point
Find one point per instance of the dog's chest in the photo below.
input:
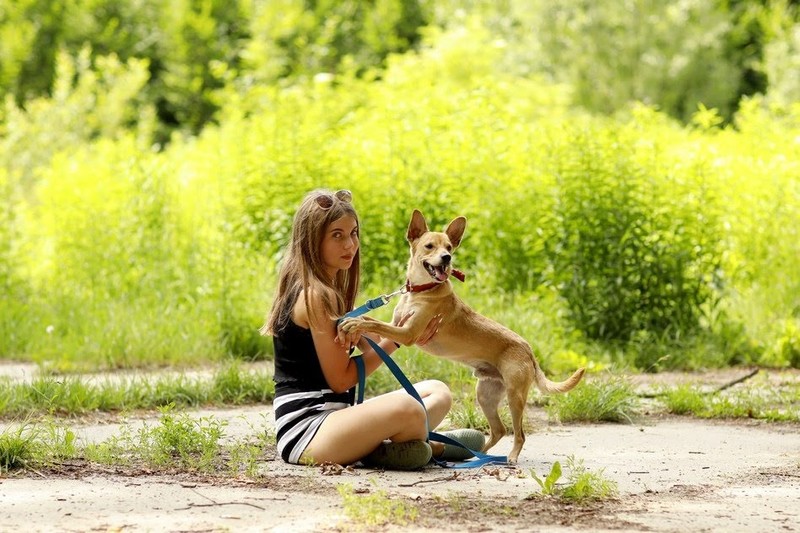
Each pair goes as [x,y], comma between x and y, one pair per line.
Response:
[404,305]
[421,305]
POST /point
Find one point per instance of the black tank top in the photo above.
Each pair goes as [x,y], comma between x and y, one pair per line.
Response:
[297,367]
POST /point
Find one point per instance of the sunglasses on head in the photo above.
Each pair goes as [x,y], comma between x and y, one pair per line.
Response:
[325,200]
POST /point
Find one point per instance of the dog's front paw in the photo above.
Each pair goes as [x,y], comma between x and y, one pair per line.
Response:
[352,325]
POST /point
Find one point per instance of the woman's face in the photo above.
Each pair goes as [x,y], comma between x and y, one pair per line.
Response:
[340,244]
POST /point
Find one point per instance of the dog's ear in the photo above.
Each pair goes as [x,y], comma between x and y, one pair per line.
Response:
[417,227]
[455,230]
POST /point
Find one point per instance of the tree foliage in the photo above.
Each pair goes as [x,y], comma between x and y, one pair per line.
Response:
[610,53]
[194,48]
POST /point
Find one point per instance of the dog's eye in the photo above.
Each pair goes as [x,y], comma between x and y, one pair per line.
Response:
[449,248]
[429,246]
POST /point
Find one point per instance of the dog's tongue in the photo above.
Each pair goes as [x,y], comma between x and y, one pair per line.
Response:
[441,275]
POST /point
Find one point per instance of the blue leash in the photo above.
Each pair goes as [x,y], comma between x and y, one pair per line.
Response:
[480,457]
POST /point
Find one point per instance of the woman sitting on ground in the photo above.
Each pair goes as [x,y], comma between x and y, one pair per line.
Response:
[315,378]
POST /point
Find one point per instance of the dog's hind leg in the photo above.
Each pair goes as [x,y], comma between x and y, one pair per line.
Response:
[517,399]
[490,391]
[518,384]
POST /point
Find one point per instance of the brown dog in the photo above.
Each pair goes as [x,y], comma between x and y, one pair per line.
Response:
[503,361]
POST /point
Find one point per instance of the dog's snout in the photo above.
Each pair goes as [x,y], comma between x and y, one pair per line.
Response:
[446,259]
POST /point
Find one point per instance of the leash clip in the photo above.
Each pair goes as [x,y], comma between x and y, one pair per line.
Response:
[386,297]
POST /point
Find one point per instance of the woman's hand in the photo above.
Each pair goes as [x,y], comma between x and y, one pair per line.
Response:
[430,330]
[347,340]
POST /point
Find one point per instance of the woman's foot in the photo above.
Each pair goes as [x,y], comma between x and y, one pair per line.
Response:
[409,455]
[472,440]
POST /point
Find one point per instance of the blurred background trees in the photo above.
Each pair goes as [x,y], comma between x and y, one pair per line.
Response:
[670,54]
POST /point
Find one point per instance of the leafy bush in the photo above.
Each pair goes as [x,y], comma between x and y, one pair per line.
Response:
[637,249]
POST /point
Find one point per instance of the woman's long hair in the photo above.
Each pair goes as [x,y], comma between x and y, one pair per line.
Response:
[303,270]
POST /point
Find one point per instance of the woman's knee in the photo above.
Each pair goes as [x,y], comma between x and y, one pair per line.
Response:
[438,391]
[409,410]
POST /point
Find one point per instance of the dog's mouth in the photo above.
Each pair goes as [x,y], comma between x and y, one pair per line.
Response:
[438,272]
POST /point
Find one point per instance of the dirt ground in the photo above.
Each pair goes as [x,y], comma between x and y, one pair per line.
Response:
[673,474]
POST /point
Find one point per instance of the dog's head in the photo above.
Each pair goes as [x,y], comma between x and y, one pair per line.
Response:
[432,251]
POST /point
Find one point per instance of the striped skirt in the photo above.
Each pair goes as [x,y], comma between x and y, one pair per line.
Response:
[298,416]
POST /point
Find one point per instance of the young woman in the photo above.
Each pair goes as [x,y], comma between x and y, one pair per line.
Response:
[314,374]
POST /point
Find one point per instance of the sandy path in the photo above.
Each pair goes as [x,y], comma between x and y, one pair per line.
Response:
[673,474]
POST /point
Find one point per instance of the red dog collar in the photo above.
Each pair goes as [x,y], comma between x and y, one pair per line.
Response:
[460,276]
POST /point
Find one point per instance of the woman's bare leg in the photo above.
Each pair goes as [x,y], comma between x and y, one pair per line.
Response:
[350,434]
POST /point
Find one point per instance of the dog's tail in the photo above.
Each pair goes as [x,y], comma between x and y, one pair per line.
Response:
[549,387]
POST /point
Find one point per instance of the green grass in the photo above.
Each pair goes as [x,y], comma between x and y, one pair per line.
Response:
[758,402]
[71,395]
[582,484]
[684,400]
[375,509]
[466,413]
[596,400]
[181,440]
[18,449]
[30,446]
[176,442]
